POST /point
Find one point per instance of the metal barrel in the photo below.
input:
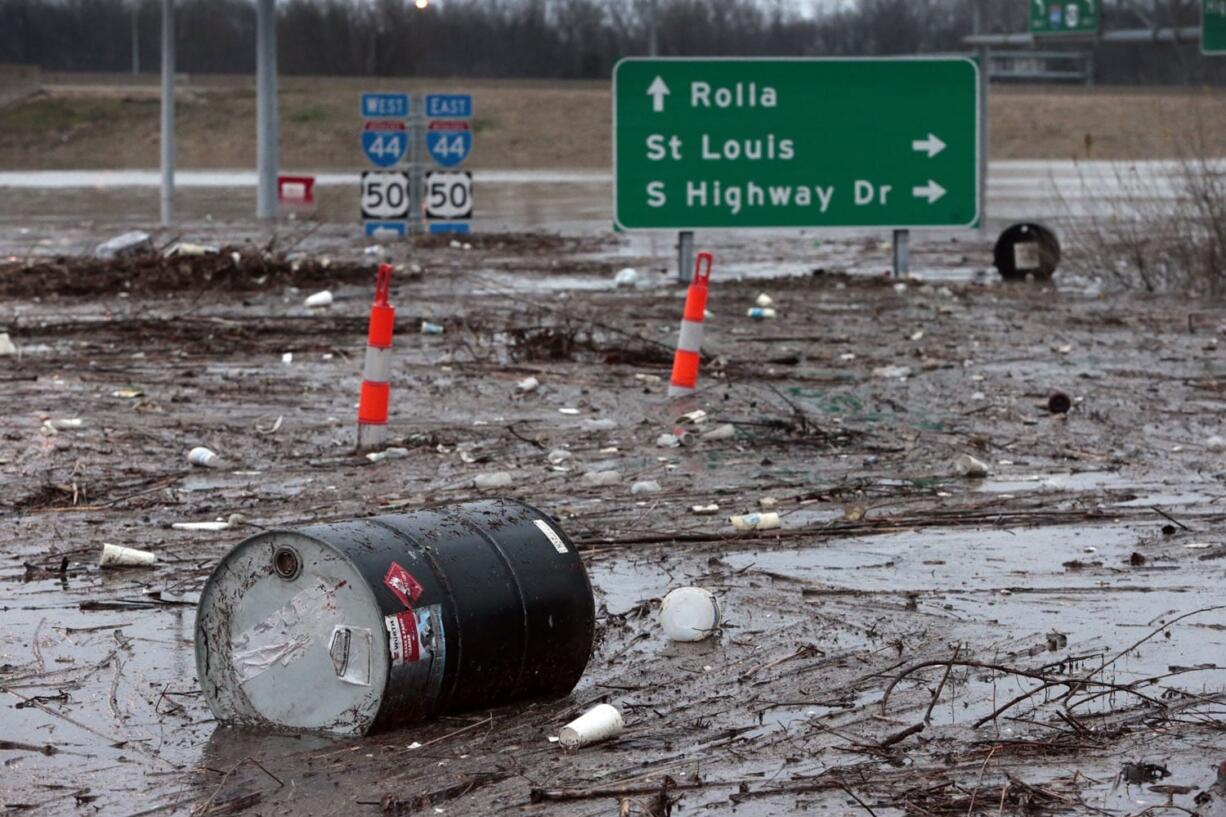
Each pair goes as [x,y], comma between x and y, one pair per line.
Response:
[374,623]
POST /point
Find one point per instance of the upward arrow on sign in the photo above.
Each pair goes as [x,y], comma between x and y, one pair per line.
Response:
[932,145]
[657,92]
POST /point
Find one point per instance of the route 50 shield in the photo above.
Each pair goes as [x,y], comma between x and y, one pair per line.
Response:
[385,142]
[449,195]
[385,194]
[449,142]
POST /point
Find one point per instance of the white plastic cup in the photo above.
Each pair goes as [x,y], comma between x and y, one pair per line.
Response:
[689,614]
[725,432]
[116,556]
[204,457]
[319,300]
[968,466]
[601,722]
[755,521]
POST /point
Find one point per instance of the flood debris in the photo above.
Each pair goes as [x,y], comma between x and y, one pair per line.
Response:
[626,278]
[528,384]
[705,510]
[970,467]
[759,313]
[645,486]
[122,244]
[205,458]
[755,521]
[393,453]
[726,431]
[52,427]
[1059,403]
[601,479]
[498,479]
[689,614]
[119,556]
[601,722]
[430,328]
[318,300]
[7,347]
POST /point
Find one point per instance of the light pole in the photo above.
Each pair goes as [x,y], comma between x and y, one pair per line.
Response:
[168,111]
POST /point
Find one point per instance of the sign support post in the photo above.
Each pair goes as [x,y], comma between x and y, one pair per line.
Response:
[417,168]
[266,109]
[902,253]
[685,254]
[168,112]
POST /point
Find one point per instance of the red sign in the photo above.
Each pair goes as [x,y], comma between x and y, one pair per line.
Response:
[296,191]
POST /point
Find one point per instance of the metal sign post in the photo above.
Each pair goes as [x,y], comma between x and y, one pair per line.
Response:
[266,108]
[760,143]
[168,111]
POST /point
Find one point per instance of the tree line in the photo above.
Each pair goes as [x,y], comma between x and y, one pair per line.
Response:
[579,39]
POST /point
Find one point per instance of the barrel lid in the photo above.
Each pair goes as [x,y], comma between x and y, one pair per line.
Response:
[288,633]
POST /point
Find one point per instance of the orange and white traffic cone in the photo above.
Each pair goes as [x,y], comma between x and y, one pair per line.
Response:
[377,371]
[689,345]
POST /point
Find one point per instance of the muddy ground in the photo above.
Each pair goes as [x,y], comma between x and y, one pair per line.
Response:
[1046,640]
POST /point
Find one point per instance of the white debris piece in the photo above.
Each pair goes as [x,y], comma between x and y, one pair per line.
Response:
[54,427]
[319,300]
[689,614]
[184,249]
[599,424]
[204,457]
[120,244]
[723,432]
[891,372]
[1214,443]
[704,510]
[628,277]
[528,384]
[7,347]
[597,479]
[117,556]
[968,466]
[668,441]
[558,455]
[646,486]
[601,722]
[764,300]
[287,358]
[755,521]
[204,526]
[388,454]
[498,479]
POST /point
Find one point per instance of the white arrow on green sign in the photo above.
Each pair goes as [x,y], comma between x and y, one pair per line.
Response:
[728,143]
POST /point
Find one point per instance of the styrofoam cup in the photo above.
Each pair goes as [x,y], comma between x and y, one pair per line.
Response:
[319,300]
[116,556]
[601,722]
[204,457]
[689,614]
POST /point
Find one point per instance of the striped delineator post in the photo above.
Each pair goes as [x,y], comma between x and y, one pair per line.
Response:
[377,371]
[689,345]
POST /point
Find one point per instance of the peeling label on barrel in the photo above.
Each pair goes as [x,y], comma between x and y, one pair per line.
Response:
[283,637]
[402,583]
[402,637]
[551,535]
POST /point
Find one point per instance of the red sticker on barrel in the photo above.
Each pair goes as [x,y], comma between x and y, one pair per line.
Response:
[402,638]
[402,583]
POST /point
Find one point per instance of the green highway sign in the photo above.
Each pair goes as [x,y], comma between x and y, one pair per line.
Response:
[1213,27]
[1064,16]
[728,143]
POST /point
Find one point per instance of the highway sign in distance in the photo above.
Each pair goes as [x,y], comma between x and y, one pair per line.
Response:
[385,106]
[449,195]
[385,194]
[385,142]
[1213,27]
[449,106]
[1064,16]
[449,142]
[730,143]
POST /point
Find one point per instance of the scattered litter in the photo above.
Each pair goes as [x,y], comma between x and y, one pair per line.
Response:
[766,503]
[649,379]
[7,347]
[528,384]
[498,479]
[287,358]
[917,335]
[428,328]
[204,457]
[725,432]
[124,243]
[601,478]
[54,427]
[760,314]
[968,466]
[697,417]
[1198,545]
[704,510]
[900,288]
[599,424]
[601,722]
[668,441]
[202,526]
[558,455]
[892,371]
[372,249]
[1215,443]
[755,521]
[568,411]
[127,394]
[628,277]
[319,300]
[764,300]
[646,486]
[117,556]
[1059,403]
[184,249]
[388,454]
[1056,641]
[689,614]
